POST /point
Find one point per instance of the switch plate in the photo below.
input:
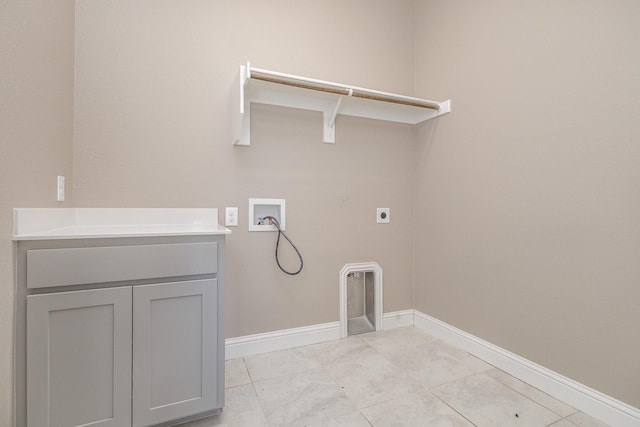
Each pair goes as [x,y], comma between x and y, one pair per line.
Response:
[60,187]
[383,215]
[231,217]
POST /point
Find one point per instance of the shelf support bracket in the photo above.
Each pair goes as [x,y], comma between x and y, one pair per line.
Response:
[329,120]
[241,108]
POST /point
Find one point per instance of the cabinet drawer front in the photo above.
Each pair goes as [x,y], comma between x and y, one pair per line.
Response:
[75,266]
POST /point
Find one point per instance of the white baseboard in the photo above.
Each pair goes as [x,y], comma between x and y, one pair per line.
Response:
[581,397]
[249,345]
[289,338]
[397,319]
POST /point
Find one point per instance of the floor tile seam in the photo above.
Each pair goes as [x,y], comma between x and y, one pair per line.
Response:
[365,416]
[348,412]
[373,404]
[384,356]
[331,364]
[237,385]
[313,353]
[264,414]
[411,375]
[246,370]
[564,419]
[352,401]
[431,388]
[575,411]
[290,374]
[535,401]
[501,383]
[452,408]
[406,348]
[332,382]
[350,358]
[297,423]
[412,348]
[321,368]
[255,392]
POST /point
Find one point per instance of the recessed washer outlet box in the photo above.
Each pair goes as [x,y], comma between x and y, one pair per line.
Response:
[261,208]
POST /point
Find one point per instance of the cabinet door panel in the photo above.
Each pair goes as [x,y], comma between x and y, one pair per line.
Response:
[174,354]
[79,358]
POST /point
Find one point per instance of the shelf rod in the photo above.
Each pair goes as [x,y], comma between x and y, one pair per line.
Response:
[297,83]
[386,98]
[341,90]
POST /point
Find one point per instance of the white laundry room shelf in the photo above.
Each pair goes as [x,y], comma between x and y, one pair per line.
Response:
[255,85]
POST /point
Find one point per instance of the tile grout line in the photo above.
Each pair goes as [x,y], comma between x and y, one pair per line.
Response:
[320,367]
[575,411]
[452,408]
[563,419]
[358,409]
[255,391]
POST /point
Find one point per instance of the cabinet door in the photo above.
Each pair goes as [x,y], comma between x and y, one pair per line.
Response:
[79,358]
[175,330]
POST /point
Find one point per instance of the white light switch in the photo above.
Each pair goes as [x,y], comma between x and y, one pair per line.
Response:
[60,188]
[231,217]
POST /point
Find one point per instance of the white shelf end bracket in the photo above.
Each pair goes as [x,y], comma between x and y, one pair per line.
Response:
[329,121]
[241,108]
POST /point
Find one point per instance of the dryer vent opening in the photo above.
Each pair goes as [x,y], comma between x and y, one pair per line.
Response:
[360,298]
[361,316]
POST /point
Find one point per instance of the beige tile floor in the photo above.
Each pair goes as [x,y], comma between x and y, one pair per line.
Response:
[399,377]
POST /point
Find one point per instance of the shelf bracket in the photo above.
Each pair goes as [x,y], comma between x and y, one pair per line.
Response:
[241,109]
[329,119]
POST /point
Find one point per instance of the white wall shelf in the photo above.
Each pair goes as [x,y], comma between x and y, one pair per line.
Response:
[255,85]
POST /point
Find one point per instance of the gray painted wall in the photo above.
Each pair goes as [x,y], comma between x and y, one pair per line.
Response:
[153,129]
[528,194]
[36,122]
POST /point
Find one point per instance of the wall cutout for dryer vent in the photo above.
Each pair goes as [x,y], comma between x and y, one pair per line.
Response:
[360,298]
[259,209]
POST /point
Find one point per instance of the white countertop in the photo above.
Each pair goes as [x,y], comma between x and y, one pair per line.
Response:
[85,223]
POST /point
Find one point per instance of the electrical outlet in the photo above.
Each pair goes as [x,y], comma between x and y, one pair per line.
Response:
[382,216]
[60,196]
[231,217]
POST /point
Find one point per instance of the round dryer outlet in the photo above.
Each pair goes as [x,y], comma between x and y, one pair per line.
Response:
[382,216]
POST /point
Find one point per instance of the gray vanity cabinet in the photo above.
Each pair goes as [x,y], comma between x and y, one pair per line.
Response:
[121,332]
